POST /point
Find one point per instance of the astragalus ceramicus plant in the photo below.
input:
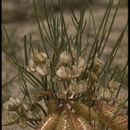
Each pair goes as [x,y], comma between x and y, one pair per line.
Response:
[71,88]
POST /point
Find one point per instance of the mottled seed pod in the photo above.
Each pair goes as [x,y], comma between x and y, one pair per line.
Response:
[64,121]
[84,111]
[105,112]
[49,123]
[80,123]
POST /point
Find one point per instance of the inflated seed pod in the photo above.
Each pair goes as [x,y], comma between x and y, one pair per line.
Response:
[82,110]
[49,123]
[80,123]
[105,112]
[64,121]
[52,105]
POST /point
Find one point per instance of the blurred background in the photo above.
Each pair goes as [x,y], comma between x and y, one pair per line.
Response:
[19,20]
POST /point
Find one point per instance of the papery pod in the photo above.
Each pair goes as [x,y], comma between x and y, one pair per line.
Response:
[52,105]
[82,110]
[106,112]
[80,123]
[64,121]
[49,123]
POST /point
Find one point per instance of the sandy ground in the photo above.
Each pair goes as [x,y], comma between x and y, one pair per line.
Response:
[26,27]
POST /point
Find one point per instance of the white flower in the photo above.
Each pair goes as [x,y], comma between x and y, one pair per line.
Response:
[78,69]
[67,73]
[76,88]
[31,66]
[63,72]
[114,85]
[39,64]
[65,57]
[42,69]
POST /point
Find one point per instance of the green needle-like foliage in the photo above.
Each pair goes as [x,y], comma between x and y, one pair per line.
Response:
[65,70]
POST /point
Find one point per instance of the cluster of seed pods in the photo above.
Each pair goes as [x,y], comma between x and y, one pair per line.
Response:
[106,112]
[63,118]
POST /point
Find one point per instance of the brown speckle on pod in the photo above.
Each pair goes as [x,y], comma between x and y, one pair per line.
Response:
[80,123]
[106,112]
[84,111]
[64,121]
[49,122]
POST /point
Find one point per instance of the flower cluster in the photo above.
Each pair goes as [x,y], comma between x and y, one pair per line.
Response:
[39,64]
[67,70]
